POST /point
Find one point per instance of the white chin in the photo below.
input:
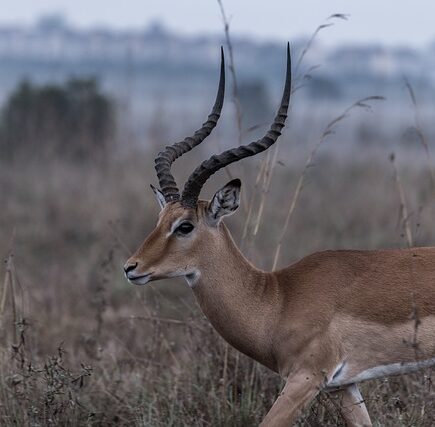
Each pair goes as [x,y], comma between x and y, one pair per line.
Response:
[140,280]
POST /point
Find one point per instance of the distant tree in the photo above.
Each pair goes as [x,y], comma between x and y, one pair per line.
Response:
[74,120]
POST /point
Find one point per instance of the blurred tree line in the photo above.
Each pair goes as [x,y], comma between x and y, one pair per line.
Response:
[74,120]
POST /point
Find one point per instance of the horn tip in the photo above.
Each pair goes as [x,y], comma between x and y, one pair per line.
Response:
[222,56]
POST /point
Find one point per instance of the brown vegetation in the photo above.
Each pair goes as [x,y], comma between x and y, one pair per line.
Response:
[80,346]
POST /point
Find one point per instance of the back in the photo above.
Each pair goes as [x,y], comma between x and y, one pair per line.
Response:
[385,286]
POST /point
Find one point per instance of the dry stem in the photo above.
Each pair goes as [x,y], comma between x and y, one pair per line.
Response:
[403,205]
[329,130]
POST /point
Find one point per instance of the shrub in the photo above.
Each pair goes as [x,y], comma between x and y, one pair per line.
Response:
[74,120]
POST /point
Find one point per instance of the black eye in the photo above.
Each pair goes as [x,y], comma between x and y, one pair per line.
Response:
[184,228]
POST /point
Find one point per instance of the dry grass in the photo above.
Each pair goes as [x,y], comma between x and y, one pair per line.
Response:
[82,347]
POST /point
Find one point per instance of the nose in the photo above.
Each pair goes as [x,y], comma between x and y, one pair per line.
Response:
[129,267]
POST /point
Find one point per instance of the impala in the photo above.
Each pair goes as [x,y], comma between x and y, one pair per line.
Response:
[327,322]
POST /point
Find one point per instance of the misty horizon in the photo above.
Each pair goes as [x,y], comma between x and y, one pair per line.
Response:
[370,22]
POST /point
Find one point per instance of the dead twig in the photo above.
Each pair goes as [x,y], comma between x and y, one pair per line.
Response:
[418,129]
[310,42]
[235,93]
[329,130]
[403,205]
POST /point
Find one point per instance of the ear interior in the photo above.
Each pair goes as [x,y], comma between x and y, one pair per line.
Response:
[225,201]
[159,196]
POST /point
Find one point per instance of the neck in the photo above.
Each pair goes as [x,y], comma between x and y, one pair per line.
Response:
[237,298]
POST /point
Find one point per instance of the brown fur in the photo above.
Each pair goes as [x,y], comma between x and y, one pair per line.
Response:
[355,308]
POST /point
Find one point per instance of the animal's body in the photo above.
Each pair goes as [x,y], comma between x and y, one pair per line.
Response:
[326,322]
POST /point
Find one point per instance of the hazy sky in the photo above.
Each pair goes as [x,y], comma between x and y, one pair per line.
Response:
[387,21]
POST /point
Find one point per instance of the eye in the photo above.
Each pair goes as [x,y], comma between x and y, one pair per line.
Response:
[184,228]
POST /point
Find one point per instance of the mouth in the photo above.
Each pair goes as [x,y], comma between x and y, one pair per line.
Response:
[142,279]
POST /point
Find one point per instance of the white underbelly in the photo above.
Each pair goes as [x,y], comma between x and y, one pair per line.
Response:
[373,350]
[344,375]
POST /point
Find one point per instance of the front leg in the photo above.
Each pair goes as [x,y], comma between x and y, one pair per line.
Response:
[300,388]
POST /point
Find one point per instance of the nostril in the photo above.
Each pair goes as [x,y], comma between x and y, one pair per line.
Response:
[130,267]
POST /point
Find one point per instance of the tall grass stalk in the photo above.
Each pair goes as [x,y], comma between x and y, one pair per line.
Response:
[418,128]
[266,173]
[328,131]
[235,96]
[404,212]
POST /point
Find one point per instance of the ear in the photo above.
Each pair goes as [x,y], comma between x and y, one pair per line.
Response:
[159,196]
[224,202]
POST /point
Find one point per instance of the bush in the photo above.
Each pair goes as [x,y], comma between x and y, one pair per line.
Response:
[74,120]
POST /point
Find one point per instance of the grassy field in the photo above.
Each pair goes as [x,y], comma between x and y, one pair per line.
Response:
[81,346]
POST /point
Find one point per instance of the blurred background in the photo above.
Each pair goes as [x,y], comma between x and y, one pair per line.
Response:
[91,92]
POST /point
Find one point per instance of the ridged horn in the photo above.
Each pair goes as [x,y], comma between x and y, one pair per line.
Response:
[166,157]
[207,168]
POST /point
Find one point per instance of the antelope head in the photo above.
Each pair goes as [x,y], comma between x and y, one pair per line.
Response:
[189,230]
